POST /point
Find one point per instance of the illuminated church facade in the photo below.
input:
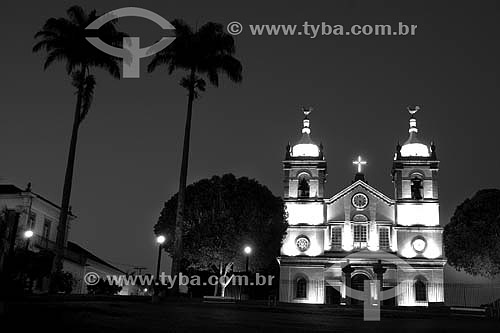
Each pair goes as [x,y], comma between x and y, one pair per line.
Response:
[333,245]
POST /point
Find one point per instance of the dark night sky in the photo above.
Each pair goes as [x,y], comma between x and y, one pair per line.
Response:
[130,145]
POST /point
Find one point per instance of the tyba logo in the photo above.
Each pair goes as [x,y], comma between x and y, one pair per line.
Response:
[131,53]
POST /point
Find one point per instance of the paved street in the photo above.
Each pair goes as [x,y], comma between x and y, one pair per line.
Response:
[106,316]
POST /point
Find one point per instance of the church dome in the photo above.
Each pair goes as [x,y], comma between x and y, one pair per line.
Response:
[306,147]
[413,146]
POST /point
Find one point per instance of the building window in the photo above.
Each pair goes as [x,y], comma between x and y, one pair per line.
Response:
[416,187]
[301,288]
[336,238]
[360,235]
[46,232]
[360,218]
[31,221]
[302,243]
[303,187]
[421,289]
[383,238]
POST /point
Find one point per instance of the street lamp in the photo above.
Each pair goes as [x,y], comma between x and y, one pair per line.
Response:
[28,234]
[247,251]
[160,240]
[155,298]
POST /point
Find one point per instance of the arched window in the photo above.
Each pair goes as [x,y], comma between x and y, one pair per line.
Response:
[359,218]
[301,288]
[303,187]
[417,186]
[360,233]
[420,289]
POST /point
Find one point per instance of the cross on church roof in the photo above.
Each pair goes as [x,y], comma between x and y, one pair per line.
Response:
[359,162]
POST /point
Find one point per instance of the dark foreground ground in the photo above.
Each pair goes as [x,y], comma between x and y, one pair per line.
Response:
[193,316]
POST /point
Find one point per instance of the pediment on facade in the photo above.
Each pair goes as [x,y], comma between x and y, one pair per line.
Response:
[355,187]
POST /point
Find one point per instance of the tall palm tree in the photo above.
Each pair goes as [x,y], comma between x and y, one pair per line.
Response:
[206,52]
[63,40]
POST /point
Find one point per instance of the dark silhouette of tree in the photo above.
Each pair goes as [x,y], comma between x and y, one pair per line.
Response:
[222,215]
[63,40]
[472,238]
[206,52]
[103,287]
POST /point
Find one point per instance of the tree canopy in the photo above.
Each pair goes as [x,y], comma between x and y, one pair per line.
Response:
[472,238]
[103,287]
[222,215]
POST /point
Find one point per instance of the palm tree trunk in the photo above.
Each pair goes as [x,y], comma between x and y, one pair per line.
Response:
[62,226]
[179,217]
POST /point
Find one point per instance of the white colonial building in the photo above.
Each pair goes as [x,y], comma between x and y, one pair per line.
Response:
[334,244]
[30,211]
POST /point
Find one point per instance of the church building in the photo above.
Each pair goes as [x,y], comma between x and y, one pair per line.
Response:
[333,245]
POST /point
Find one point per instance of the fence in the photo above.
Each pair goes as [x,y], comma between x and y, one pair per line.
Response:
[454,294]
[470,295]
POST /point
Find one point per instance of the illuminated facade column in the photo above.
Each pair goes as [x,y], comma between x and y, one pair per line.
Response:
[379,271]
[346,275]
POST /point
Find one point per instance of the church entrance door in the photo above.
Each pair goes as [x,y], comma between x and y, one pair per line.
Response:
[358,283]
[332,295]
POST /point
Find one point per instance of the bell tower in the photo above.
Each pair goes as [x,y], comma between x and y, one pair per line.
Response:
[304,167]
[414,174]
[415,178]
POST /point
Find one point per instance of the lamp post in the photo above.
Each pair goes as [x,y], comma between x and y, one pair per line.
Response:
[28,234]
[160,240]
[247,251]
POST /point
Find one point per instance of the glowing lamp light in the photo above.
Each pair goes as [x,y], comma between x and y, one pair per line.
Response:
[247,250]
[160,239]
[28,234]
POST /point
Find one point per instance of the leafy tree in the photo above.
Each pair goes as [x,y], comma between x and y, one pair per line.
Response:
[30,266]
[223,214]
[472,238]
[62,282]
[63,40]
[208,52]
[103,287]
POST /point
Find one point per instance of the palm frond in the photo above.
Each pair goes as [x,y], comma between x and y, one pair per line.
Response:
[231,67]
[77,15]
[208,51]
[64,40]
[55,55]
